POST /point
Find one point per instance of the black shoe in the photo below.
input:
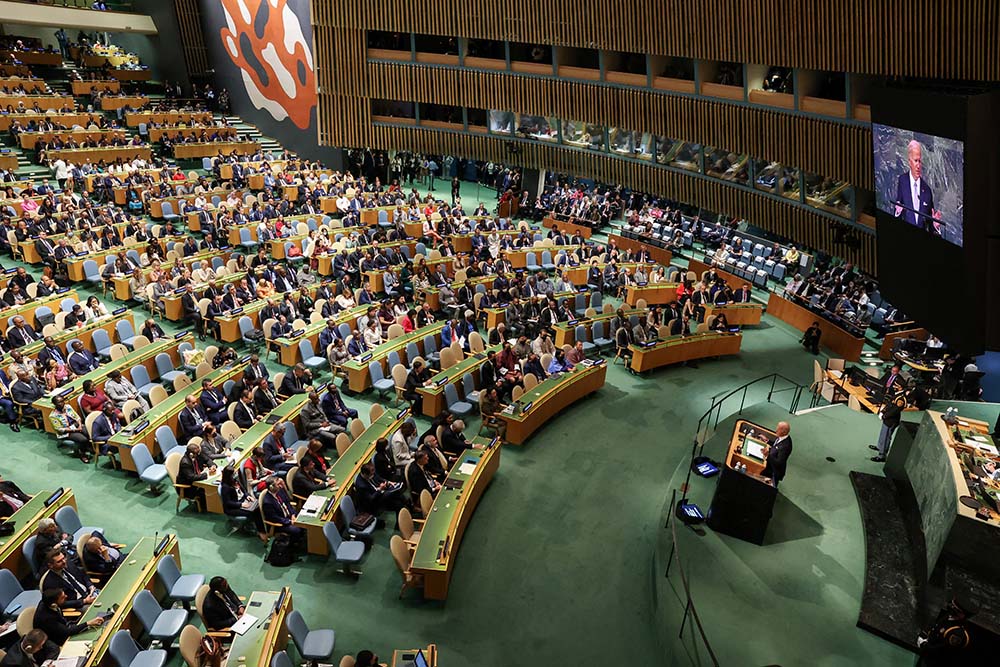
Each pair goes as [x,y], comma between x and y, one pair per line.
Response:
[15,428]
[878,459]
[874,448]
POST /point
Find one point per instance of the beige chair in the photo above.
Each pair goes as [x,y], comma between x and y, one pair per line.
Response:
[403,558]
[530,381]
[590,313]
[50,329]
[157,395]
[230,430]
[297,500]
[202,369]
[476,344]
[399,374]
[118,351]
[130,408]
[546,360]
[835,365]
[25,621]
[181,381]
[426,502]
[516,393]
[173,464]
[269,345]
[854,404]
[640,304]
[663,331]
[343,443]
[447,358]
[395,331]
[139,342]
[607,308]
[357,428]
[374,412]
[406,524]
[457,352]
[701,328]
[210,352]
[348,661]
[190,642]
[278,379]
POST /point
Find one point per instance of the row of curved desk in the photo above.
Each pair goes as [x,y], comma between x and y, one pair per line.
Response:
[43,505]
[678,349]
[550,396]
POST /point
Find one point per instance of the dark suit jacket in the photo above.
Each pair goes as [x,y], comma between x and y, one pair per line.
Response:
[20,337]
[188,472]
[273,512]
[25,392]
[82,362]
[16,657]
[915,213]
[214,403]
[218,614]
[191,421]
[418,480]
[777,460]
[243,416]
[102,429]
[74,597]
[291,385]
[263,402]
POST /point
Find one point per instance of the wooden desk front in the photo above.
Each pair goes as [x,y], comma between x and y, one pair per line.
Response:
[675,350]
[733,280]
[653,293]
[442,532]
[117,102]
[30,139]
[85,87]
[740,314]
[68,119]
[25,521]
[661,255]
[568,226]
[58,102]
[842,342]
[550,397]
[134,118]
[108,154]
[213,148]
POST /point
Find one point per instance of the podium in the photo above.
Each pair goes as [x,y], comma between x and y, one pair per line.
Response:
[744,501]
[509,209]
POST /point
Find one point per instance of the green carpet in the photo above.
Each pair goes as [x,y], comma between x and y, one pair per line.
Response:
[558,564]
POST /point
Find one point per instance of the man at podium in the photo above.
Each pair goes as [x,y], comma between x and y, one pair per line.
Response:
[776,455]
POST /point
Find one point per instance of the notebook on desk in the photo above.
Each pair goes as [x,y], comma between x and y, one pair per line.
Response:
[313,504]
[245,622]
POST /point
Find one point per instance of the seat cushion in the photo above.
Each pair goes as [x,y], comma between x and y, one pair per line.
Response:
[187,586]
[154,474]
[460,408]
[24,600]
[169,624]
[384,385]
[318,644]
[350,552]
[154,658]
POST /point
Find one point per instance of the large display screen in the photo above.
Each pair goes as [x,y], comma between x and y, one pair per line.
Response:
[920,180]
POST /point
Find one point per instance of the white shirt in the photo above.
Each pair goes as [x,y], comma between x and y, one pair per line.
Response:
[915,191]
[401,454]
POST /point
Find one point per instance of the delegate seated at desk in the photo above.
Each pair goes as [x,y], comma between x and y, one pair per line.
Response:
[221,607]
[49,618]
[68,577]
[192,419]
[32,650]
[419,478]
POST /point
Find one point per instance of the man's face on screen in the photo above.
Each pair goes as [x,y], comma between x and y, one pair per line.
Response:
[916,161]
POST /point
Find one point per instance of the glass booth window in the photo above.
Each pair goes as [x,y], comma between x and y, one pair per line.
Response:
[583,135]
[776,178]
[631,143]
[537,127]
[680,154]
[501,122]
[830,195]
[720,163]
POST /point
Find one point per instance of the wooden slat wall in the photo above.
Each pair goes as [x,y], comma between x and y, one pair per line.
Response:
[819,146]
[189,22]
[806,227]
[958,39]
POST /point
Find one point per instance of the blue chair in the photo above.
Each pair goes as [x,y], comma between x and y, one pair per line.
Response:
[581,335]
[420,249]
[469,389]
[779,271]
[168,212]
[246,327]
[312,224]
[66,305]
[455,406]
[405,251]
[346,553]
[13,597]
[133,254]
[92,272]
[530,262]
[383,219]
[165,368]
[206,163]
[343,330]
[596,300]
[149,472]
[547,262]
[28,551]
[412,352]
[246,240]
[166,440]
[126,333]
[379,382]
[431,354]
[580,305]
[291,437]
[600,341]
[69,521]
[126,653]
[760,278]
[313,645]
[141,379]
[161,624]
[180,587]
[348,512]
[392,358]
[309,356]
[44,315]
[281,659]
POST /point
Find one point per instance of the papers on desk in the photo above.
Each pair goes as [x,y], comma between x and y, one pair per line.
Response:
[245,622]
[837,374]
[74,649]
[313,504]
[754,449]
[66,662]
[467,468]
[981,443]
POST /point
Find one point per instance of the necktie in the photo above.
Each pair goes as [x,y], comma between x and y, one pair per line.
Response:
[892,378]
[74,582]
[916,195]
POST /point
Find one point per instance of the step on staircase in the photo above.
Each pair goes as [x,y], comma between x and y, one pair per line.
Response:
[252,133]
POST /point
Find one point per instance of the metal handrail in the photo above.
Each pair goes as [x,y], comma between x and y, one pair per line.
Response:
[689,608]
[706,426]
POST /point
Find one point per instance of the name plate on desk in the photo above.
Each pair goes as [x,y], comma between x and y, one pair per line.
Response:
[180,334]
[119,311]
[442,381]
[236,311]
[366,357]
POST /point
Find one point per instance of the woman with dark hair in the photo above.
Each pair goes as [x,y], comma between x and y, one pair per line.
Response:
[721,323]
[238,503]
[385,465]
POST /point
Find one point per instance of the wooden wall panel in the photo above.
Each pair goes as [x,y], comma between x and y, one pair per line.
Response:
[958,39]
[192,39]
[820,146]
